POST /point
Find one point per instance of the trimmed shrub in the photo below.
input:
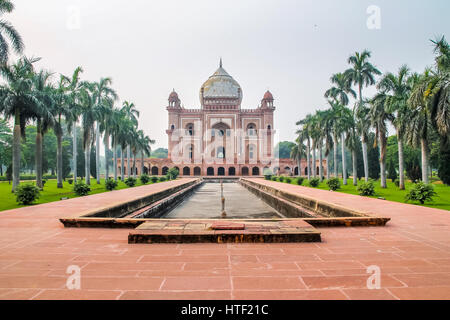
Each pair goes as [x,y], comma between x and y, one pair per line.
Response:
[111,184]
[366,189]
[172,174]
[300,180]
[44,182]
[397,183]
[288,180]
[131,182]
[26,194]
[81,189]
[334,184]
[162,179]
[268,177]
[145,179]
[314,182]
[274,178]
[70,181]
[281,179]
[154,179]
[421,192]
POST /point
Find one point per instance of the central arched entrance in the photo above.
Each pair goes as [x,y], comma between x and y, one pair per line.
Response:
[221,171]
[231,171]
[186,171]
[244,171]
[210,171]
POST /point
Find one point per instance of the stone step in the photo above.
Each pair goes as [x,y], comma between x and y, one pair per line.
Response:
[206,231]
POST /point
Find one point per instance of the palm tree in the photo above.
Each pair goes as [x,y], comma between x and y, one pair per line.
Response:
[327,133]
[334,118]
[362,73]
[131,113]
[91,112]
[378,118]
[103,94]
[144,147]
[43,116]
[341,90]
[339,94]
[66,110]
[73,87]
[7,31]
[340,125]
[321,120]
[429,101]
[116,119]
[297,152]
[397,89]
[107,127]
[305,134]
[17,101]
[351,143]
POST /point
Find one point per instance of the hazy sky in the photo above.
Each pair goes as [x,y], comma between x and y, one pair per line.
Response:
[290,47]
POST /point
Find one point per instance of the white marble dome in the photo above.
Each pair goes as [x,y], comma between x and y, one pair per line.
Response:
[221,85]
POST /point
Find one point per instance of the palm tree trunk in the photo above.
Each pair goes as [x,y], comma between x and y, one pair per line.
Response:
[142,163]
[328,166]
[364,142]
[365,158]
[59,160]
[299,166]
[122,159]
[314,159]
[134,165]
[335,165]
[320,162]
[38,156]
[401,170]
[97,152]
[382,161]
[308,159]
[87,162]
[75,167]
[16,150]
[128,161]
[115,160]
[344,165]
[106,156]
[355,168]
[424,148]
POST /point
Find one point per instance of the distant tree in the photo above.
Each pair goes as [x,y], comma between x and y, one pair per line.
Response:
[283,149]
[5,144]
[160,153]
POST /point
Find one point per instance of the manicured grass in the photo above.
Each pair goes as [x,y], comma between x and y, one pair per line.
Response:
[51,193]
[393,193]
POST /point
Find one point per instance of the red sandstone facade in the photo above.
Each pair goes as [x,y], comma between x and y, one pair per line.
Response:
[221,138]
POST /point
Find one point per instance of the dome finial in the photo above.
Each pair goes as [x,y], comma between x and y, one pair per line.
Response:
[220,64]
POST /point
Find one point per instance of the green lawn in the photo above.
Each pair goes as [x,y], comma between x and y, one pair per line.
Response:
[393,193]
[51,193]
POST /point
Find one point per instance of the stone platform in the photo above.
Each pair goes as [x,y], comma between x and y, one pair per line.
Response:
[224,231]
[412,252]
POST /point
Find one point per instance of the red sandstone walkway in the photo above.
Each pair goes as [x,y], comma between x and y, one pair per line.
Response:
[413,252]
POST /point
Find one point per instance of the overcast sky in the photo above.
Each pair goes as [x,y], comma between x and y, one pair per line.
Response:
[290,47]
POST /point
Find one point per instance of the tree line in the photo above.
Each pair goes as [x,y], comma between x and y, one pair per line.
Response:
[417,105]
[58,103]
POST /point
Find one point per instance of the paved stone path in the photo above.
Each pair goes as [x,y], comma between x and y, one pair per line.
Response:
[412,250]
